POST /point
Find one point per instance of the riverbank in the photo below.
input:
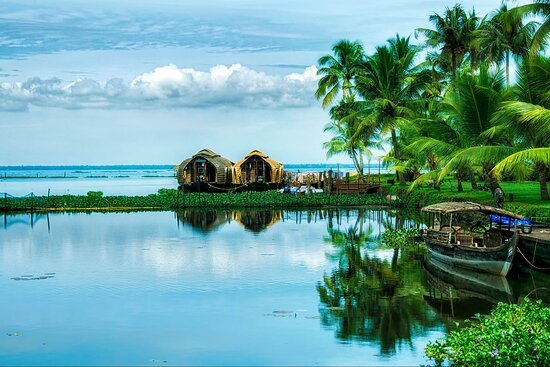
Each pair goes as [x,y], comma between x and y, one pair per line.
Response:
[525,200]
[170,199]
[520,197]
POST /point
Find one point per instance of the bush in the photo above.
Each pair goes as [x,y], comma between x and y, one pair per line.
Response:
[513,335]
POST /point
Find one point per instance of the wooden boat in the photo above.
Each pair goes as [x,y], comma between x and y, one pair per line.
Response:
[481,238]
[534,247]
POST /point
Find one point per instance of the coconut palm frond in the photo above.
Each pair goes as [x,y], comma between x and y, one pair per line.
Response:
[427,144]
[517,162]
[428,176]
[477,155]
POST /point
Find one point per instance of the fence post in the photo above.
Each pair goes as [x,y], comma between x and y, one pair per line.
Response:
[5,202]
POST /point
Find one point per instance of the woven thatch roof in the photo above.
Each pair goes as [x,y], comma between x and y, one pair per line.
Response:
[273,163]
[455,207]
[219,162]
[276,167]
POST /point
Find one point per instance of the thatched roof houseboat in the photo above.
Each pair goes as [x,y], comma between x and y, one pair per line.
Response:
[257,167]
[205,166]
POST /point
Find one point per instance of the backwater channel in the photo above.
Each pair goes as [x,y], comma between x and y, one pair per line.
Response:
[229,287]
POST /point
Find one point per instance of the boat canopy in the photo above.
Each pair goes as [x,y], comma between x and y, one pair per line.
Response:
[456,207]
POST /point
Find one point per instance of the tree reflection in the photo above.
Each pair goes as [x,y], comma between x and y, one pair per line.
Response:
[369,299]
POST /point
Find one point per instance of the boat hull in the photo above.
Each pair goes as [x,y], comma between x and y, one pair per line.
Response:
[535,251]
[496,260]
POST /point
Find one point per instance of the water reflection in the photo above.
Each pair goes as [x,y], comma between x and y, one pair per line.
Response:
[369,299]
[203,220]
[457,293]
[257,220]
[193,275]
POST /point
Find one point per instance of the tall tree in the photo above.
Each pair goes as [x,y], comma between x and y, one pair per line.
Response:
[346,138]
[388,81]
[452,35]
[338,71]
[506,36]
[471,107]
[529,118]
[540,8]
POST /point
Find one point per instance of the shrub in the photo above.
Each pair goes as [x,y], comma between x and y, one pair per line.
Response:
[513,335]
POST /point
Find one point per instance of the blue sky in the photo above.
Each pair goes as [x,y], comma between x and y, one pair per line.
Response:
[138,82]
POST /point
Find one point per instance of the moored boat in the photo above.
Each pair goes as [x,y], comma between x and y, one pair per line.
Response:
[534,247]
[472,236]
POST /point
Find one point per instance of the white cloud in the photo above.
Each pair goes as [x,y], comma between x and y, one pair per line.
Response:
[168,86]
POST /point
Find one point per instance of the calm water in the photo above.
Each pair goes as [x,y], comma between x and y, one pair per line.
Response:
[112,180]
[226,288]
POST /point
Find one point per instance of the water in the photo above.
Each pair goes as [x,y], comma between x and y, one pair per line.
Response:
[112,180]
[197,287]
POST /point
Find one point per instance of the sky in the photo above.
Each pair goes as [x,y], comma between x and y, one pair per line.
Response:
[153,82]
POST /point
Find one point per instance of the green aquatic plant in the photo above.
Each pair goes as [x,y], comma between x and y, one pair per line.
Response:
[399,238]
[512,335]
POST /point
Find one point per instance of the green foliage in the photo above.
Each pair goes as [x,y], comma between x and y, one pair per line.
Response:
[513,335]
[526,197]
[399,238]
[171,199]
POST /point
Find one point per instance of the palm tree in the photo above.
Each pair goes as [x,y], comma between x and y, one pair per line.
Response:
[388,81]
[338,71]
[471,107]
[452,35]
[529,118]
[506,36]
[346,137]
[539,8]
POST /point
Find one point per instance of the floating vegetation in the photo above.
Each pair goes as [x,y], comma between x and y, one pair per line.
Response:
[32,277]
[17,333]
[281,313]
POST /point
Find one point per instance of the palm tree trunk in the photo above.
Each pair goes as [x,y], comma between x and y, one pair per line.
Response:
[400,176]
[542,181]
[358,166]
[472,175]
[459,182]
[361,163]
[493,181]
[507,69]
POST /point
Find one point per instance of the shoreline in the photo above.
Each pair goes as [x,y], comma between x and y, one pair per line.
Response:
[172,199]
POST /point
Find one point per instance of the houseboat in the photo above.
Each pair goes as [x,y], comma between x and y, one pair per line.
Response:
[472,236]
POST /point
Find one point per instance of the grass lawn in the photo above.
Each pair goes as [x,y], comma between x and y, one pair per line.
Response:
[526,197]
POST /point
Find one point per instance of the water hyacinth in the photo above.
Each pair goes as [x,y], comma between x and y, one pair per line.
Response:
[489,341]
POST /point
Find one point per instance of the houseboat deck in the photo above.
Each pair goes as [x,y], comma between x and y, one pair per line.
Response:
[540,235]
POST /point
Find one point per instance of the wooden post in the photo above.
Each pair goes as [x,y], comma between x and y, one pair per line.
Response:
[379,172]
[347,179]
[328,186]
[368,177]
[5,202]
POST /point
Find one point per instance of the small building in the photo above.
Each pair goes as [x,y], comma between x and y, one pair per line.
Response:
[257,167]
[205,166]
